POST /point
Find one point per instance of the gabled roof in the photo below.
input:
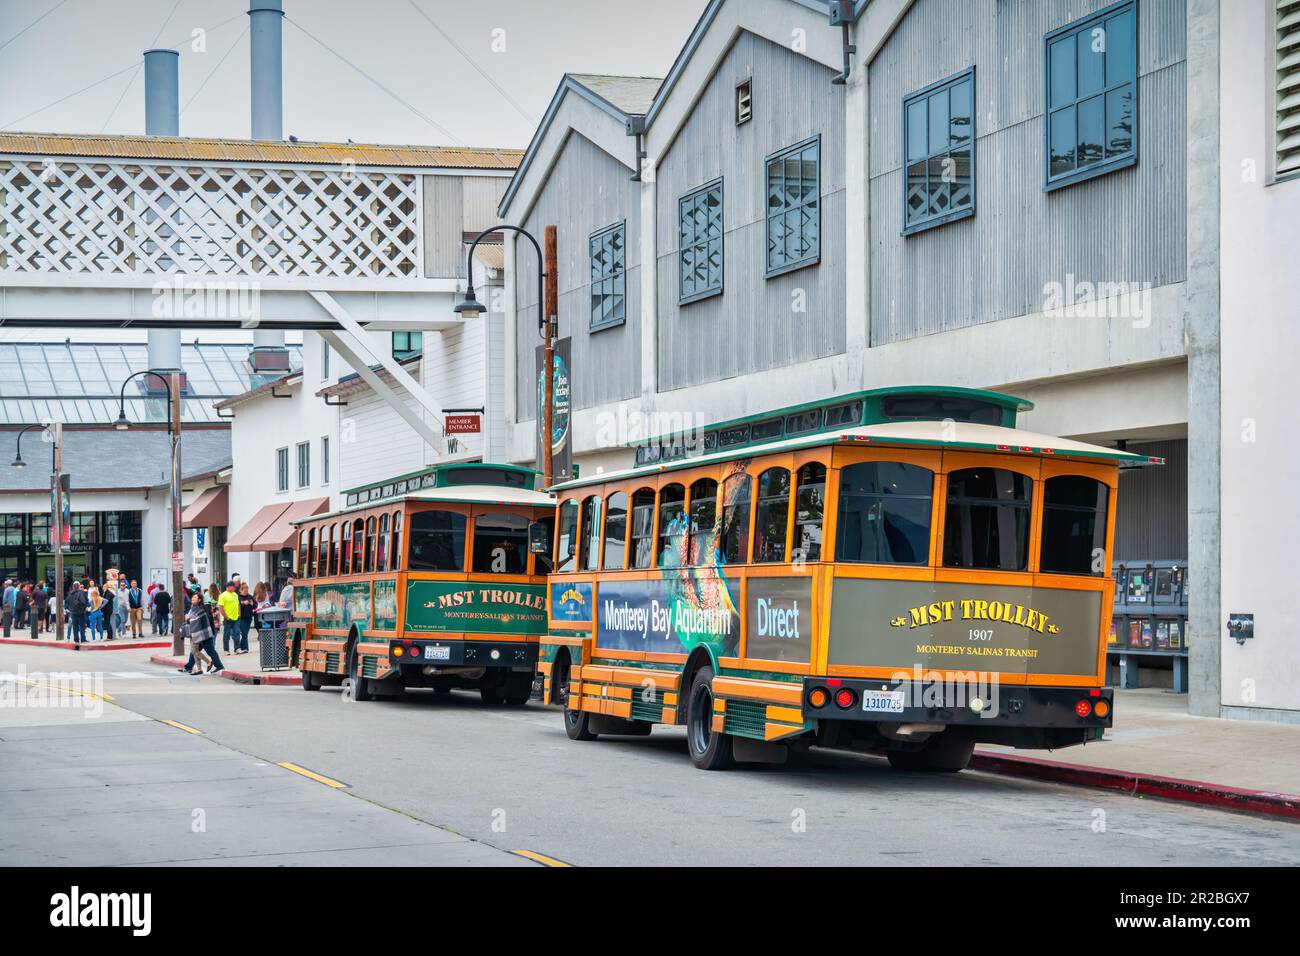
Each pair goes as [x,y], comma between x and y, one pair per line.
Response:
[256,151]
[622,97]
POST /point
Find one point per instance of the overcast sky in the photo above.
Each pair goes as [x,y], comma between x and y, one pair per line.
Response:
[52,48]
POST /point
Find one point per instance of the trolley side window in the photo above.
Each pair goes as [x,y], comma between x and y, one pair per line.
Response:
[302,552]
[311,553]
[566,542]
[437,541]
[358,545]
[589,545]
[734,538]
[672,526]
[987,522]
[1074,525]
[500,544]
[370,544]
[323,561]
[772,517]
[616,531]
[643,526]
[810,500]
[397,541]
[884,513]
[704,517]
[334,549]
[381,554]
[345,549]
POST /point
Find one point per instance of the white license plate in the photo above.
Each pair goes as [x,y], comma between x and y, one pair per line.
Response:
[883,701]
[437,653]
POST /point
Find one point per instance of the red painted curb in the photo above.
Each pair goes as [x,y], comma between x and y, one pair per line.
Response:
[256,678]
[88,646]
[1146,785]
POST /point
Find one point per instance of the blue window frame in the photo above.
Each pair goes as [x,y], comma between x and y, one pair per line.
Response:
[700,243]
[939,153]
[794,207]
[1090,124]
[608,277]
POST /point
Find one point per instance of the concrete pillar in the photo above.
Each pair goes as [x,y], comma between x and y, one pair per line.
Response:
[1201,329]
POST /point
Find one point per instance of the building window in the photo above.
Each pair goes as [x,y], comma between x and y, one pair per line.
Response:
[324,360]
[324,459]
[1288,89]
[939,146]
[608,280]
[407,345]
[794,207]
[700,243]
[304,464]
[282,469]
[1091,124]
[744,102]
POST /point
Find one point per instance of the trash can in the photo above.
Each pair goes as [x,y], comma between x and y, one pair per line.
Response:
[272,627]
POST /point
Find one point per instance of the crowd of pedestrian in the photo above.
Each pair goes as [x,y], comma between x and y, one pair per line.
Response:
[116,608]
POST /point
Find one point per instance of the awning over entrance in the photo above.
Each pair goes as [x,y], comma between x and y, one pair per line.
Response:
[270,530]
[281,533]
[210,510]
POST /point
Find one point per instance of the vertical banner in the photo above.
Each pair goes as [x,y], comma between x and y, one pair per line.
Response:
[61,500]
[561,446]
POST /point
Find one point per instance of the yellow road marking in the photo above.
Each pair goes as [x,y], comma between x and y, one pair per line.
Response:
[538,858]
[67,690]
[312,776]
[179,726]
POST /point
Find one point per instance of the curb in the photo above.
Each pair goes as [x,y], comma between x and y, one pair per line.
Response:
[70,645]
[1215,795]
[256,678]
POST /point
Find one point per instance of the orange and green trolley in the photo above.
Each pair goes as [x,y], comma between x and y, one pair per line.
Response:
[897,570]
[426,580]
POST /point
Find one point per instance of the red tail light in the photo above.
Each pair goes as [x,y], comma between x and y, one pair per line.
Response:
[1083,708]
[844,698]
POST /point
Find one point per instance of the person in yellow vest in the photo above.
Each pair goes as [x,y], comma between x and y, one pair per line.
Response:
[228,602]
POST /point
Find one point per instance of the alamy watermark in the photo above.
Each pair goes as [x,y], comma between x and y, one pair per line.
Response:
[186,297]
[1084,299]
[53,691]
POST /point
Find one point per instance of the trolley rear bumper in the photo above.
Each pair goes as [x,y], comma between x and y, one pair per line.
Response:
[462,653]
[987,705]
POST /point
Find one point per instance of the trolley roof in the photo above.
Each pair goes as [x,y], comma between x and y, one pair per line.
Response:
[941,434]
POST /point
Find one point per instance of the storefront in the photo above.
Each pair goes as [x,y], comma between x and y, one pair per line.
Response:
[99,540]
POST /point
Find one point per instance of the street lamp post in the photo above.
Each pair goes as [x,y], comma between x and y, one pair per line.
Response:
[56,510]
[547,298]
[173,379]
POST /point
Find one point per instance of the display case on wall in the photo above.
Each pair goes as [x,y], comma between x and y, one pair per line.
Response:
[1149,620]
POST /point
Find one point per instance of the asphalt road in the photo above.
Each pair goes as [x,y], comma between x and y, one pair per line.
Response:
[443,779]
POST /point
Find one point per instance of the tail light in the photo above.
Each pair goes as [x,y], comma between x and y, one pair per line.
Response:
[1083,708]
[398,651]
[1101,708]
[818,697]
[845,698]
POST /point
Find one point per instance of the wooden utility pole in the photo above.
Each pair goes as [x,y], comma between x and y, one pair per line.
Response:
[178,529]
[57,524]
[550,311]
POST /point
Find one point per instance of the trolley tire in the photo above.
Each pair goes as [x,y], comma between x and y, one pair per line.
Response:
[709,749]
[356,688]
[311,680]
[491,696]
[577,725]
[944,754]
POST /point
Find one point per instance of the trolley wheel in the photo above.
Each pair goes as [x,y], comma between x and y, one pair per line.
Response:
[947,753]
[577,724]
[356,688]
[311,680]
[710,750]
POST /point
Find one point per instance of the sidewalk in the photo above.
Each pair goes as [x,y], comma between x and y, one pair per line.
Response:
[1156,748]
[243,668]
[23,636]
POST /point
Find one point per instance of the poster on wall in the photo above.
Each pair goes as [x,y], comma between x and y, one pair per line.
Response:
[561,446]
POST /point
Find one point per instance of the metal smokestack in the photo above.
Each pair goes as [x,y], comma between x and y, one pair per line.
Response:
[266,68]
[266,88]
[162,118]
[162,108]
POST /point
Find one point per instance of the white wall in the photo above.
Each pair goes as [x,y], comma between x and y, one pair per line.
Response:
[1259,346]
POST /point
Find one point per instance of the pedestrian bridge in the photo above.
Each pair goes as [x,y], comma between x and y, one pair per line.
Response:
[177,232]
